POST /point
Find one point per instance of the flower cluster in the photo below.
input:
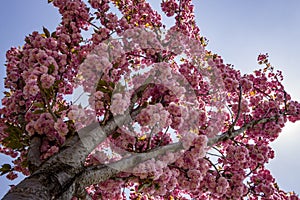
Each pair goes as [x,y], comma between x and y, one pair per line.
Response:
[169,7]
[262,58]
[119,103]
[109,189]
[154,115]
[263,183]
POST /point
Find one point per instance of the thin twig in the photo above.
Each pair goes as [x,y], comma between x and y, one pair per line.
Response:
[238,111]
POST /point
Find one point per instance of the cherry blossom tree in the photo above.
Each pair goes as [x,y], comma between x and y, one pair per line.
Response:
[162,117]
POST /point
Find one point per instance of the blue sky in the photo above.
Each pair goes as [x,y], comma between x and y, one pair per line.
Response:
[237,30]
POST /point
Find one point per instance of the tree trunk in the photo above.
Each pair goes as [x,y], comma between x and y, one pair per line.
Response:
[32,188]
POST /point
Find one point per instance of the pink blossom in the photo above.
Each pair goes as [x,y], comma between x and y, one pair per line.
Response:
[31,90]
[11,176]
[61,127]
[30,128]
[119,104]
[47,80]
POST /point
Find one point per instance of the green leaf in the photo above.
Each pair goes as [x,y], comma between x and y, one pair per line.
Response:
[104,90]
[5,169]
[145,185]
[39,104]
[14,138]
[7,94]
[46,31]
[54,34]
[36,112]
[102,83]
[112,84]
[51,69]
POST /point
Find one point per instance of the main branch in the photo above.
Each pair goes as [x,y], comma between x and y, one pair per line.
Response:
[58,176]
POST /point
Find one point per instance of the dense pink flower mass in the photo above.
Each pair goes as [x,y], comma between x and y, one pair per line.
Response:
[216,123]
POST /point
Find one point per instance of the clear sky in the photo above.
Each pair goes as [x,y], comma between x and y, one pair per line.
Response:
[237,30]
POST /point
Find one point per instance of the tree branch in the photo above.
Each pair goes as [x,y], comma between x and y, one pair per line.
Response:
[231,134]
[239,109]
[96,174]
